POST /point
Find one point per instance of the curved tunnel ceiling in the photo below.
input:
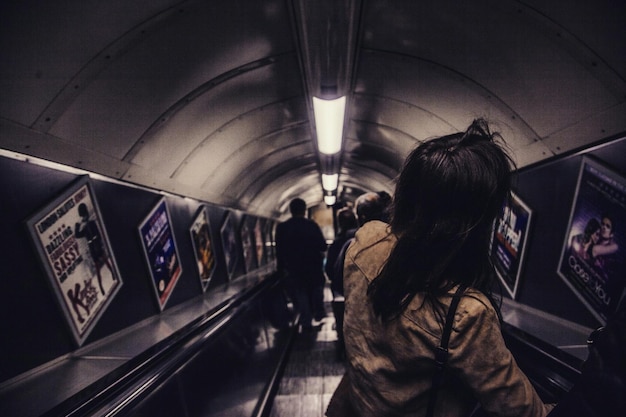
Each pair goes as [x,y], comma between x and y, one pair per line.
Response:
[212,99]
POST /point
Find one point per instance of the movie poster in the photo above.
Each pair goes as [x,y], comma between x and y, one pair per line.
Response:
[592,258]
[203,248]
[509,242]
[270,245]
[248,248]
[229,244]
[259,242]
[73,246]
[157,238]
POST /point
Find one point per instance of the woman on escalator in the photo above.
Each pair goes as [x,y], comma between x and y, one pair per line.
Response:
[422,331]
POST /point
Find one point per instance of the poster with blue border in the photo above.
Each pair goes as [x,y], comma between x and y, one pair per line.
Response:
[592,255]
[157,238]
[508,243]
[74,249]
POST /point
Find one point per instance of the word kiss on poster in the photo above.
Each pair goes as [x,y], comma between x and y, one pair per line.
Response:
[73,246]
[592,257]
[160,250]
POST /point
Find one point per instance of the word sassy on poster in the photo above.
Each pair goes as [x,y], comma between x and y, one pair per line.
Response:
[74,249]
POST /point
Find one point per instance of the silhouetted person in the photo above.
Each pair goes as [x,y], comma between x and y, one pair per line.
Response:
[300,247]
[369,206]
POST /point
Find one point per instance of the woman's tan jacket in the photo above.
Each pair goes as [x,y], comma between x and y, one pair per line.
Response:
[390,365]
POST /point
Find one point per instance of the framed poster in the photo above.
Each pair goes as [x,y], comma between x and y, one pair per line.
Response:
[508,242]
[73,246]
[270,249]
[259,243]
[200,231]
[229,244]
[246,243]
[159,246]
[592,256]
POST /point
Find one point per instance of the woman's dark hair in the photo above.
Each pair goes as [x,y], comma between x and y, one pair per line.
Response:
[447,196]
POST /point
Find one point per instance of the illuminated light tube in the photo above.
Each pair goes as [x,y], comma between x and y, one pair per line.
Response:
[329,182]
[330,200]
[329,115]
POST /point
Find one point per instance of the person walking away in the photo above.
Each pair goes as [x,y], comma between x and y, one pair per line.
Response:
[426,272]
[300,249]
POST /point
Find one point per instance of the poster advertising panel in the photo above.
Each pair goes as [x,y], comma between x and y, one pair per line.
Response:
[508,242]
[157,238]
[248,248]
[270,245]
[200,231]
[259,243]
[229,244]
[592,257]
[73,246]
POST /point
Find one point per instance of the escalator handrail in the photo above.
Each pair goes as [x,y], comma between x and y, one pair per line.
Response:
[142,374]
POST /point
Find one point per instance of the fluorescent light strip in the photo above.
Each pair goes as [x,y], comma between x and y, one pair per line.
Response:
[329,115]
[330,200]
[329,182]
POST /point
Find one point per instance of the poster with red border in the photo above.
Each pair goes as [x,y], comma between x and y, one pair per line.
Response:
[592,255]
[74,249]
[161,254]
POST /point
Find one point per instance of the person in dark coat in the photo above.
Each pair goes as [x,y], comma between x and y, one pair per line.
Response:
[300,250]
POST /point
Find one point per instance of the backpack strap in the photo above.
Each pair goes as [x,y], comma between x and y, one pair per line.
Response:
[441,354]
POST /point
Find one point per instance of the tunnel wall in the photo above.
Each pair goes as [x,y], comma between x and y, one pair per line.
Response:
[549,189]
[34,329]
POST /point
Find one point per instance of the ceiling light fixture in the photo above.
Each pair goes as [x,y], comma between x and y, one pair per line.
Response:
[330,181]
[330,200]
[329,115]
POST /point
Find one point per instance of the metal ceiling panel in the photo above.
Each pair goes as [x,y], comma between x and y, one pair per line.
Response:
[177,60]
[44,44]
[220,121]
[212,99]
[281,155]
